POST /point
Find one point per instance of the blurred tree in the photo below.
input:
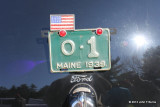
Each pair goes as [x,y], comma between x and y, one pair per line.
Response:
[12,91]
[42,92]
[141,90]
[132,64]
[113,73]
[143,77]
[24,91]
[33,87]
[151,65]
[3,92]
[32,91]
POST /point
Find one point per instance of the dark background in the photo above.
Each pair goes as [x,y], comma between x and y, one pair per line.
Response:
[24,61]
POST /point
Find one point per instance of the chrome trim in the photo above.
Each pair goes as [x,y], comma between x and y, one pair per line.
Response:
[83,101]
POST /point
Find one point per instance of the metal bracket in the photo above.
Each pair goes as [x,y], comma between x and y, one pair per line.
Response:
[113,31]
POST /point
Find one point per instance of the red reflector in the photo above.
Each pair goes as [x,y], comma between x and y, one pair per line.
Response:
[99,31]
[62,33]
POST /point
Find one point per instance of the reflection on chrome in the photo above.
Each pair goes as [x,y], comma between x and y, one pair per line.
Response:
[83,101]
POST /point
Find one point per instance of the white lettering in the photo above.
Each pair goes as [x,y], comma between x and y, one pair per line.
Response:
[65,65]
[64,51]
[102,63]
[69,65]
[59,65]
[95,64]
[81,78]
[73,65]
[90,64]
[78,64]
[93,53]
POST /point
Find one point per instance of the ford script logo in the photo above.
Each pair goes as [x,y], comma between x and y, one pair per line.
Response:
[81,78]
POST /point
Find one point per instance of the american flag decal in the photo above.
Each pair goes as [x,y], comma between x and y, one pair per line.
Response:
[62,22]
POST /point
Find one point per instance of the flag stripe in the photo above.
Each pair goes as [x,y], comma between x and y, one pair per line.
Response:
[63,21]
[62,28]
[62,24]
[67,18]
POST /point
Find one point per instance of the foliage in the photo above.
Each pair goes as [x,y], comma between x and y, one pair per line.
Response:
[23,91]
[3,91]
[140,76]
[151,65]
[113,73]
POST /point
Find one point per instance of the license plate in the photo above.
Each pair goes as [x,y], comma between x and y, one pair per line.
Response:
[79,51]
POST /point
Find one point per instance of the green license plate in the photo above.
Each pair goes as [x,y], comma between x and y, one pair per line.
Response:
[80,50]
